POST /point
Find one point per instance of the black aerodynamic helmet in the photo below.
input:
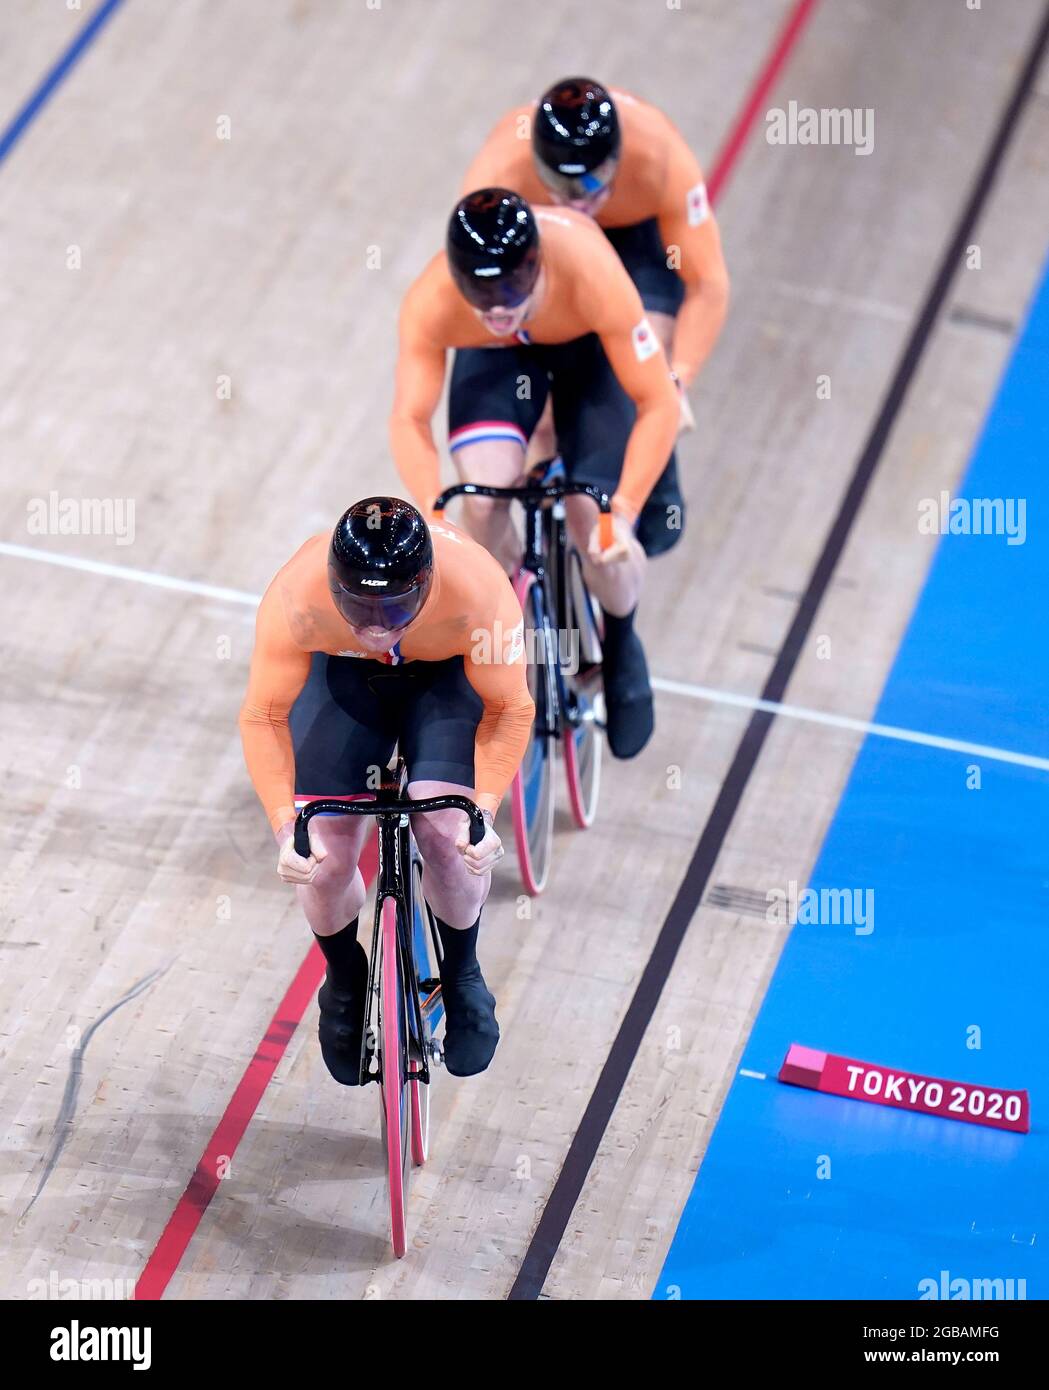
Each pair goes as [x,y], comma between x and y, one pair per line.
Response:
[493,249]
[576,138]
[380,563]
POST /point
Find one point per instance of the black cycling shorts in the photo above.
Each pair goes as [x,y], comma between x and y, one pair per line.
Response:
[642,251]
[353,711]
[501,392]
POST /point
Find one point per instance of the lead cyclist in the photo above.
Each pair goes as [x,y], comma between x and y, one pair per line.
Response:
[389,633]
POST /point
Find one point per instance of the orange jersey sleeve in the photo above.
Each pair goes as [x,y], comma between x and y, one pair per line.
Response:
[418,384]
[505,727]
[691,236]
[606,293]
[279,669]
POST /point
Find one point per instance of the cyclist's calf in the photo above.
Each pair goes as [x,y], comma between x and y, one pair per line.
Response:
[337,893]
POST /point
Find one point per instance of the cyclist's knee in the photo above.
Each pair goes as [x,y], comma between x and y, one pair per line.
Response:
[436,834]
[341,840]
[482,513]
[334,876]
[496,462]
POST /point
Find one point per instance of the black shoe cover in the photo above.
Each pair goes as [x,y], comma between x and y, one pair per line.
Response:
[628,698]
[470,1032]
[341,1029]
[658,527]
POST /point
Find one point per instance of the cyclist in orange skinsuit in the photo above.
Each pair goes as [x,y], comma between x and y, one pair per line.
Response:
[556,314]
[326,703]
[636,176]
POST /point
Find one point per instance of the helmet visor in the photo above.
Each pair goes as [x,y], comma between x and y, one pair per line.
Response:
[573,183]
[490,287]
[389,612]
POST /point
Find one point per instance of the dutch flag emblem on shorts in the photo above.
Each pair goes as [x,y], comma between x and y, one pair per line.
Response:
[486,429]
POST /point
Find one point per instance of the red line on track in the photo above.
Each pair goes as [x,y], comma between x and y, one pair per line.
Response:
[229,1131]
[204,1183]
[748,113]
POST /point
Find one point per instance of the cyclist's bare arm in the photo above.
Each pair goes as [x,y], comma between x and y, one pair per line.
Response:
[687,224]
[650,387]
[497,670]
[417,393]
[279,670]
[640,365]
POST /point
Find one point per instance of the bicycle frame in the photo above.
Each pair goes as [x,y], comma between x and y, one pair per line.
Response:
[392,809]
[545,535]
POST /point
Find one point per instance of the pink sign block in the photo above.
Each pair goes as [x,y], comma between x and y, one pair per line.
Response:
[905,1090]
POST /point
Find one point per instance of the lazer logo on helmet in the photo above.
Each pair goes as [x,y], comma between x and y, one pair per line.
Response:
[380,543]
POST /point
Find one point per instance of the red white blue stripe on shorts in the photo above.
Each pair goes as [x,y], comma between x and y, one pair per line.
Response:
[304,798]
[486,429]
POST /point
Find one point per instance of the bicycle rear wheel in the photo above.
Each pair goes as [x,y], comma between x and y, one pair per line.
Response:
[394,1087]
[532,792]
[584,700]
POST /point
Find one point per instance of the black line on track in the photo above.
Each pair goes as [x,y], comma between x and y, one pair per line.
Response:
[560,1204]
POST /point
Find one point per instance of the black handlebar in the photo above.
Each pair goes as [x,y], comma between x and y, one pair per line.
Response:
[385,808]
[532,492]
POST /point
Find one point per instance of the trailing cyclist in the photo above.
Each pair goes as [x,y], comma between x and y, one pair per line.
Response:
[537,304]
[624,163]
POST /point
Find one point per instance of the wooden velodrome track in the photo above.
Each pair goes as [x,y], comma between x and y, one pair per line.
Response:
[137,855]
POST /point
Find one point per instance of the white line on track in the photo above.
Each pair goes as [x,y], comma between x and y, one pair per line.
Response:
[843,721]
[669,687]
[158,581]
[757,1075]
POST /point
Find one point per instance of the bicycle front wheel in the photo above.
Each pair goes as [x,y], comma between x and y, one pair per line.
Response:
[394,1087]
[532,792]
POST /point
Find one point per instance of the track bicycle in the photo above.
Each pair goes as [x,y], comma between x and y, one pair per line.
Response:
[566,685]
[404,983]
